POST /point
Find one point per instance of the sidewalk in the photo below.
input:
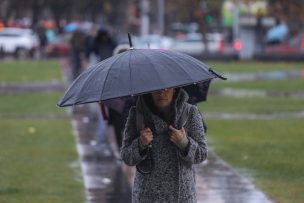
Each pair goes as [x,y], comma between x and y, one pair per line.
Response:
[107,179]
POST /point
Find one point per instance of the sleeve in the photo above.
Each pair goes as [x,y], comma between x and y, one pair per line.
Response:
[130,151]
[196,150]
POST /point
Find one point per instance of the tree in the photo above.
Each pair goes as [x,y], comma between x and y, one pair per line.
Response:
[289,11]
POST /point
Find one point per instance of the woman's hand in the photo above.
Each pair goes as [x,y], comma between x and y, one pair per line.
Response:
[146,137]
[175,135]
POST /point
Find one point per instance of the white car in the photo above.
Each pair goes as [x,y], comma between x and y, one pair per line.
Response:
[18,42]
[153,42]
[192,43]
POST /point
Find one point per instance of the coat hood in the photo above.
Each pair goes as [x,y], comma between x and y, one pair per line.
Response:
[145,106]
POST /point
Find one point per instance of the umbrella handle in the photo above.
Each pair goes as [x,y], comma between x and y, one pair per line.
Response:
[216,74]
[103,111]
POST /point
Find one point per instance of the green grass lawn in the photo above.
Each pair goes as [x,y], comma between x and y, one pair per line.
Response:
[31,103]
[36,155]
[35,159]
[26,70]
[269,151]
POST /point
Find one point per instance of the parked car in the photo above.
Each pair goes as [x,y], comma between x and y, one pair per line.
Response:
[18,42]
[153,42]
[291,49]
[295,45]
[193,44]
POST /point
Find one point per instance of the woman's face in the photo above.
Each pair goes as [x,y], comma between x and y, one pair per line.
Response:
[162,99]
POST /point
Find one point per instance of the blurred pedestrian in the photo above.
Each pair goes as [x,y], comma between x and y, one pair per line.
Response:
[118,119]
[97,47]
[43,41]
[104,44]
[102,112]
[163,137]
[77,51]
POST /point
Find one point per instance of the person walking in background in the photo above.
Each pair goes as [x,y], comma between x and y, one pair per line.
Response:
[92,48]
[118,119]
[163,137]
[103,44]
[77,51]
[43,41]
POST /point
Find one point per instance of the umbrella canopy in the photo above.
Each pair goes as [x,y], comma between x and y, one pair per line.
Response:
[70,27]
[197,93]
[135,72]
[277,33]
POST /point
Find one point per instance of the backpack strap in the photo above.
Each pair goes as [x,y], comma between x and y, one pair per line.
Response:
[184,116]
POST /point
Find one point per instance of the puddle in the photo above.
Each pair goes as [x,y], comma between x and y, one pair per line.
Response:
[265,75]
[253,116]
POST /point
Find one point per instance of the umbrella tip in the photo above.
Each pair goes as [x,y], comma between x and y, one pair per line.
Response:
[130,41]
[217,75]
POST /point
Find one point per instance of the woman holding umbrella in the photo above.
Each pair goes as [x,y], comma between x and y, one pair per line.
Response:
[164,136]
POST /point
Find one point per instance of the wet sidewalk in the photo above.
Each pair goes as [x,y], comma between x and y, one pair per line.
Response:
[104,180]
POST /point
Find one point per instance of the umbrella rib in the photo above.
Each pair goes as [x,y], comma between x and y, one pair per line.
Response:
[114,61]
[151,63]
[198,63]
[162,52]
[85,80]
[130,75]
[90,73]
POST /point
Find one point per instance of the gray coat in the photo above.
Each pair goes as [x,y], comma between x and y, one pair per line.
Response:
[172,178]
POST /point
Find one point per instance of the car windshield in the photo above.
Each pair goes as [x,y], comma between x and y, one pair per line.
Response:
[9,35]
[11,32]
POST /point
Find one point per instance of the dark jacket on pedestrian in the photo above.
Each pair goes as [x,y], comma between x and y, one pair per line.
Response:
[172,178]
[103,45]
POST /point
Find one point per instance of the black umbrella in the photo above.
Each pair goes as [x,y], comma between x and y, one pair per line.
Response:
[135,72]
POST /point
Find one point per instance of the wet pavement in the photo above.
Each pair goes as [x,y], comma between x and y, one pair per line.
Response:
[102,172]
[42,86]
[239,93]
[217,182]
[266,75]
[253,116]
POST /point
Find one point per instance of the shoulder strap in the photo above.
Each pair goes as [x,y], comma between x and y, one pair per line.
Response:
[184,116]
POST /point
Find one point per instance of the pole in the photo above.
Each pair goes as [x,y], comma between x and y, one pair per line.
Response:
[144,17]
[160,16]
